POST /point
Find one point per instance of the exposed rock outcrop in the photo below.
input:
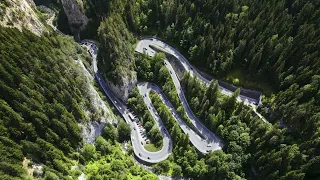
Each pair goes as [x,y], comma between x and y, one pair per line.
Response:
[123,89]
[20,14]
[31,3]
[99,115]
[77,20]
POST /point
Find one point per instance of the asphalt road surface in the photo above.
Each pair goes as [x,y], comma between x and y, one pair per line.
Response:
[144,47]
[136,139]
[210,142]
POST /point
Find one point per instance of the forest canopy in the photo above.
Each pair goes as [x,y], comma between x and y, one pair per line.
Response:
[272,46]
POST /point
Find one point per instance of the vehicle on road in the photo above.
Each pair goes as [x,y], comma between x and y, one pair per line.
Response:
[141,143]
[131,116]
[209,145]
[139,154]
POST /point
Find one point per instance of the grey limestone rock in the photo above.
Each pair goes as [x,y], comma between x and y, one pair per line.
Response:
[77,20]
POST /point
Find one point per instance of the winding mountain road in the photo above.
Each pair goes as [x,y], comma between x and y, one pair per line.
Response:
[144,46]
[136,139]
[205,143]
[208,142]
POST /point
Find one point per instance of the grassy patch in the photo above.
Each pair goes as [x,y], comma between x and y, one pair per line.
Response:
[152,148]
[238,77]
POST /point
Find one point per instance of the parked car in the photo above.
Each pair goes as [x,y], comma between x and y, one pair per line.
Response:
[147,141]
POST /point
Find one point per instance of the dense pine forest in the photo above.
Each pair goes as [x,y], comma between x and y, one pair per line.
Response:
[40,104]
[268,45]
[43,97]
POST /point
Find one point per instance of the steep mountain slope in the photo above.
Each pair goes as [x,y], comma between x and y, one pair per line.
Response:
[20,14]
[46,98]
[42,99]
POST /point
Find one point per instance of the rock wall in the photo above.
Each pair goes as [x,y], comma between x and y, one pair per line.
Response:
[77,20]
[31,3]
[122,90]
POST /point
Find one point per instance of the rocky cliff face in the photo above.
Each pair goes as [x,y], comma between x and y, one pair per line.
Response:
[20,14]
[123,89]
[77,20]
